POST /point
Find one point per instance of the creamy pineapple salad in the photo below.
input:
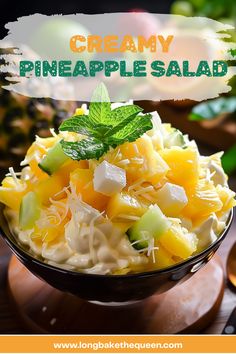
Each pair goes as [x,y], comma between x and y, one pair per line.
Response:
[145,204]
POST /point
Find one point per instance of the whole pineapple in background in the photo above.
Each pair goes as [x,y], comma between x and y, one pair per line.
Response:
[21,118]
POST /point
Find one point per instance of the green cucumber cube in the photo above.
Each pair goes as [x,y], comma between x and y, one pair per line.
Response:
[29,211]
[54,159]
[151,225]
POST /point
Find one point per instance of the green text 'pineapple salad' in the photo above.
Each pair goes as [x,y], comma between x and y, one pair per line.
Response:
[116,192]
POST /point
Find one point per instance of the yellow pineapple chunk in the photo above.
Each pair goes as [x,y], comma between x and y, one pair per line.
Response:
[227,198]
[179,242]
[52,232]
[54,184]
[79,111]
[70,166]
[82,179]
[123,226]
[123,207]
[183,163]
[50,188]
[47,235]
[162,258]
[9,182]
[36,152]
[47,143]
[155,167]
[143,161]
[52,226]
[36,170]
[40,146]
[44,234]
[124,210]
[12,191]
[202,201]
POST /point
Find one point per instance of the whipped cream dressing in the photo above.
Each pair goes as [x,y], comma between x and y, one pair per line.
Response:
[92,244]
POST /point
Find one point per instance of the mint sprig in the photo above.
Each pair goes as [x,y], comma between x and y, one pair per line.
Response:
[100,105]
[103,127]
[86,149]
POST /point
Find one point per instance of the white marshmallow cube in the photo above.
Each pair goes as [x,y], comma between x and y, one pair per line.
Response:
[171,198]
[109,179]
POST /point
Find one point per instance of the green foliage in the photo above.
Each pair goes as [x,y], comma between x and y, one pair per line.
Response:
[209,110]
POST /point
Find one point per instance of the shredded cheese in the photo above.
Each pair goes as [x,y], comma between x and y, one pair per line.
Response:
[128,217]
[143,189]
[124,162]
[136,149]
[136,184]
[16,173]
[137,160]
[13,174]
[52,131]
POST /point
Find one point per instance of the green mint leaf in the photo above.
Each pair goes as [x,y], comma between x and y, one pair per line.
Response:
[101,130]
[117,115]
[211,109]
[103,127]
[121,116]
[100,105]
[86,149]
[131,131]
[78,124]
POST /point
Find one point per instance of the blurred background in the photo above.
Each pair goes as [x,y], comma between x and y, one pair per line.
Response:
[213,123]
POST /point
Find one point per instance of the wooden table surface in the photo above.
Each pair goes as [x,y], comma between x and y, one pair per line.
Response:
[9,322]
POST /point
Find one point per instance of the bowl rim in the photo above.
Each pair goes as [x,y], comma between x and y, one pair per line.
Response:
[175,267]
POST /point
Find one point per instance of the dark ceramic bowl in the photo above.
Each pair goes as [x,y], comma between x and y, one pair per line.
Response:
[111,288]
